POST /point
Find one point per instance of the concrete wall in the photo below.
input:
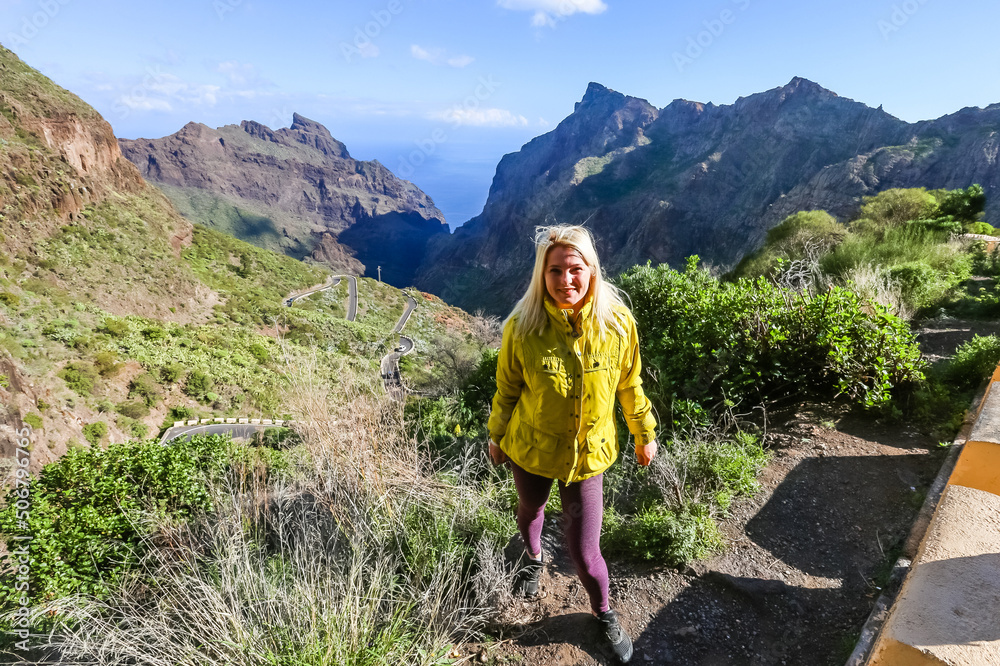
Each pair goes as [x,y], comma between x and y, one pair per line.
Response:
[948,610]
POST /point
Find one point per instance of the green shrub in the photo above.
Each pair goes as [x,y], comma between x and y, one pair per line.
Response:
[9,299]
[4,381]
[88,510]
[95,432]
[133,410]
[974,361]
[752,343]
[171,372]
[146,387]
[116,328]
[659,534]
[34,420]
[968,204]
[198,384]
[897,206]
[806,231]
[981,228]
[260,352]
[107,364]
[179,413]
[80,377]
[154,333]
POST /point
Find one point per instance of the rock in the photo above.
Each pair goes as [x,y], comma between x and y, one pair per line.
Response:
[691,178]
[295,190]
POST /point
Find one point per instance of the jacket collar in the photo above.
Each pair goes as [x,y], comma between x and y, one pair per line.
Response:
[561,318]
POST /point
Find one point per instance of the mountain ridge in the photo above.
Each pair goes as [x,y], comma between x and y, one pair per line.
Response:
[296,190]
[698,178]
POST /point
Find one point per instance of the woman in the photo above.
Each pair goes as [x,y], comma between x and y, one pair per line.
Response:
[569,349]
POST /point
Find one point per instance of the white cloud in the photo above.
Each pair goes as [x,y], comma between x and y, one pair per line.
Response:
[460,61]
[242,74]
[161,91]
[548,12]
[459,115]
[439,57]
[139,103]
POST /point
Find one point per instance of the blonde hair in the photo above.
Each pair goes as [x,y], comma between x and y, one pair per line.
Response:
[605,301]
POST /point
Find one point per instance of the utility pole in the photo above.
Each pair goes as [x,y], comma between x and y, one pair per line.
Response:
[379,273]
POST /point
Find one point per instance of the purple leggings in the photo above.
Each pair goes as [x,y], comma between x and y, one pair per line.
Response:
[583,511]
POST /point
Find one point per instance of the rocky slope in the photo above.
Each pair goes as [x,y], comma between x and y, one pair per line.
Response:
[80,233]
[296,190]
[662,184]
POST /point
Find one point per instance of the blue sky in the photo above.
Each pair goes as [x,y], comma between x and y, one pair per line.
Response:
[439,90]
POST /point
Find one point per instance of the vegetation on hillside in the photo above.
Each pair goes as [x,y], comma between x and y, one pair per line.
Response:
[902,249]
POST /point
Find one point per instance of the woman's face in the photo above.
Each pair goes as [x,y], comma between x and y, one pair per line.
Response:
[567,277]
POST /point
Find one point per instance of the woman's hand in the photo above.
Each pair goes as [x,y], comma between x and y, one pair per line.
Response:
[646,453]
[496,454]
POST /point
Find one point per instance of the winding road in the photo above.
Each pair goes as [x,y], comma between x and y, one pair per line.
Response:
[352,294]
[389,365]
[390,369]
[390,362]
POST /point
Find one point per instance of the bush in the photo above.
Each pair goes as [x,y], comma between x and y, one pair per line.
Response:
[9,299]
[80,377]
[154,333]
[116,328]
[88,510]
[807,231]
[146,387]
[34,420]
[754,343]
[171,372]
[95,432]
[133,410]
[967,205]
[138,430]
[198,385]
[656,533]
[894,207]
[981,228]
[973,362]
[260,352]
[107,364]
[179,413]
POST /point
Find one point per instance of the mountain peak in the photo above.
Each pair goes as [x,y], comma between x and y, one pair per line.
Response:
[304,124]
[799,84]
[599,94]
[312,133]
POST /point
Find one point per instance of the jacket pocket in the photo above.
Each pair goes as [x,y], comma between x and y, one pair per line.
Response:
[551,391]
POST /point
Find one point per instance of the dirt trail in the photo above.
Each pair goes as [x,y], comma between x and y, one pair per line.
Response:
[803,559]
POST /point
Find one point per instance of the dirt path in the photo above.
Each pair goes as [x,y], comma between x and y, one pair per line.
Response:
[803,562]
[798,577]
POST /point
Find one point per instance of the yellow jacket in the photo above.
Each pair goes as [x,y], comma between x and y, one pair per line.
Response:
[553,412]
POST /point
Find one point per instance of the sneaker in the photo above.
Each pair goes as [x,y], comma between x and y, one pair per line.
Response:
[527,576]
[615,636]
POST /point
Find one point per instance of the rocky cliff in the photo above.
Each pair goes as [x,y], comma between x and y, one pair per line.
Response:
[81,234]
[662,184]
[296,190]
